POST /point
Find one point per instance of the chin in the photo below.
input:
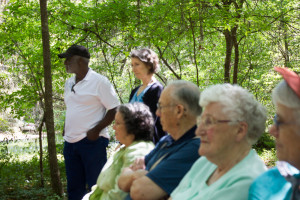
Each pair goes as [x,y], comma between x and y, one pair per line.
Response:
[201,151]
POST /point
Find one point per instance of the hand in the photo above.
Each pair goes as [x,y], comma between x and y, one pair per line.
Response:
[92,134]
[139,163]
[139,173]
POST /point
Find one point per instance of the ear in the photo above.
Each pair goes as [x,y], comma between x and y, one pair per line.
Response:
[180,111]
[242,130]
[80,61]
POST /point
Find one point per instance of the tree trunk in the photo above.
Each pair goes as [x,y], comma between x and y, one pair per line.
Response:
[227,63]
[236,55]
[195,51]
[40,130]
[54,170]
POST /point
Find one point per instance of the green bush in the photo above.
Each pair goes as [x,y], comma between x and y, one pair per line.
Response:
[20,176]
[4,125]
[266,141]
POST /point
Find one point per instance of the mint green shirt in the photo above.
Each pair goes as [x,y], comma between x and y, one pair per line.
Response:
[233,185]
[107,183]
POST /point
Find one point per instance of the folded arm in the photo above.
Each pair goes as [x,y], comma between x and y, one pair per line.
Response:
[144,188]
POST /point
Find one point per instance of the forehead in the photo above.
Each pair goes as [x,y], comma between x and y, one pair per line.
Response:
[135,59]
[72,58]
[165,96]
[284,112]
[118,116]
[214,109]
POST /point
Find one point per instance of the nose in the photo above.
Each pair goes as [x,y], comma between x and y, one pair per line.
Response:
[200,131]
[273,130]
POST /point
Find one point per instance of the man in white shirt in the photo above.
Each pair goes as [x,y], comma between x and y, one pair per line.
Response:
[91,103]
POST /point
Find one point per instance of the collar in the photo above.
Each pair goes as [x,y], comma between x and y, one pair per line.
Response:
[188,135]
[286,169]
[88,75]
[86,78]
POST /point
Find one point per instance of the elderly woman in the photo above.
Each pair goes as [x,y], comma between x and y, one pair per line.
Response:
[156,176]
[231,123]
[133,128]
[144,64]
[283,181]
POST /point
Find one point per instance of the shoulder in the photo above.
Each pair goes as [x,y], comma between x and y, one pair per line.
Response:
[140,146]
[156,86]
[135,89]
[98,77]
[248,169]
[137,150]
[271,174]
[270,185]
[253,163]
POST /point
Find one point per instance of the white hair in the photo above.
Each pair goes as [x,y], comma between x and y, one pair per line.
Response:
[239,105]
[284,95]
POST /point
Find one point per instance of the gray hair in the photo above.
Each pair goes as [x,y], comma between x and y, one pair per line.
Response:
[138,120]
[186,93]
[239,105]
[284,95]
[148,57]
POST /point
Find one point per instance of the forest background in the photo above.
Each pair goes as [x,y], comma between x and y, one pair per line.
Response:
[203,41]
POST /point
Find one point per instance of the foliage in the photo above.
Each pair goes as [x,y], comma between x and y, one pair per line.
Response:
[203,41]
[4,126]
[268,156]
[265,142]
[20,176]
[187,35]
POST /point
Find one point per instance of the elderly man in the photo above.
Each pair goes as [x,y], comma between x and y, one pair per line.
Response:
[156,175]
[91,102]
[283,181]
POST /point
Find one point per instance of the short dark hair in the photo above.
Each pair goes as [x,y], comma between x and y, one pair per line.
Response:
[148,57]
[138,120]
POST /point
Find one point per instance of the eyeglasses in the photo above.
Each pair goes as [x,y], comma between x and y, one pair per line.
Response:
[209,121]
[72,88]
[159,107]
[278,123]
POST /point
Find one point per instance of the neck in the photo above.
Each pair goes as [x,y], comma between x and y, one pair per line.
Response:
[80,75]
[183,127]
[231,159]
[224,165]
[147,80]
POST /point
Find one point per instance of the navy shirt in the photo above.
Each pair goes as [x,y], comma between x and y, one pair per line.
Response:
[176,158]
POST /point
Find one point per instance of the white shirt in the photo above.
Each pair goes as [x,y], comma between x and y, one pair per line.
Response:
[87,104]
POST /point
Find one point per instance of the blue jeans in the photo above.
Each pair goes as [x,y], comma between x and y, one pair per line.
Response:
[84,161]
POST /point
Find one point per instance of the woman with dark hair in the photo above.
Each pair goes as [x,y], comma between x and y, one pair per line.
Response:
[134,129]
[144,64]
